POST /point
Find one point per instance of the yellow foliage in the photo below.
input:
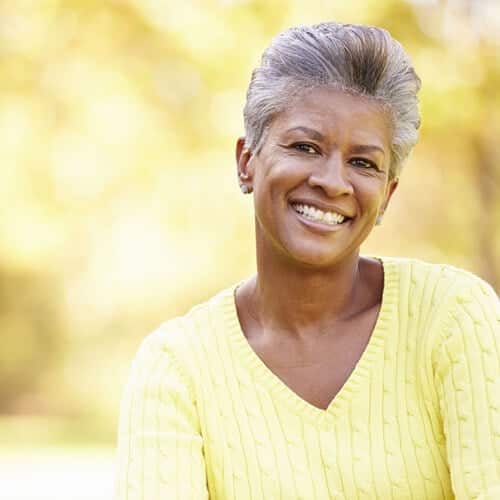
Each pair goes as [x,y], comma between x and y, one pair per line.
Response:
[119,194]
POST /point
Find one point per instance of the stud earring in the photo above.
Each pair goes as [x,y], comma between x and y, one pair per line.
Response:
[245,189]
[378,221]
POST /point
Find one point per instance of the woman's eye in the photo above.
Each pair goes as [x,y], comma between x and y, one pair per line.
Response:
[305,148]
[361,162]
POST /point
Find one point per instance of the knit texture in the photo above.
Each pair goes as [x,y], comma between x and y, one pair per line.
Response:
[419,417]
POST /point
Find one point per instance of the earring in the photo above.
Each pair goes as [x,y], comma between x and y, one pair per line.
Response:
[378,221]
[245,189]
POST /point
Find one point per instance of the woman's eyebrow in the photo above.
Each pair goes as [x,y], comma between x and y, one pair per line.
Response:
[358,148]
[310,131]
[367,148]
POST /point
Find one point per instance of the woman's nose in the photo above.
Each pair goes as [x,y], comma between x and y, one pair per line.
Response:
[332,176]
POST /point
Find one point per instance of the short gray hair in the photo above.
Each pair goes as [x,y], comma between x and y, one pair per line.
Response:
[361,60]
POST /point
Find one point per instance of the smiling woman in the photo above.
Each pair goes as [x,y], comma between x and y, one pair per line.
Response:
[328,374]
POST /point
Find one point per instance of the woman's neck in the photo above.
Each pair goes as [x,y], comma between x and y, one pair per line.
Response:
[287,298]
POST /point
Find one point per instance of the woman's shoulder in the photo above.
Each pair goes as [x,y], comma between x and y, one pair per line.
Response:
[440,278]
[185,335]
[432,292]
[444,302]
[439,292]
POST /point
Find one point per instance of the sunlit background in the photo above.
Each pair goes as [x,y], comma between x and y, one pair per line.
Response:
[119,201]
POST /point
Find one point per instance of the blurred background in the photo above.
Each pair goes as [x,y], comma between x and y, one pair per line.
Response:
[119,201]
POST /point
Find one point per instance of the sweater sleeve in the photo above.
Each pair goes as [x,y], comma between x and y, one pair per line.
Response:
[159,442]
[467,371]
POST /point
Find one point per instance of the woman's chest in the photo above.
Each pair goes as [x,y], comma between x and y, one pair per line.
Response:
[316,367]
[264,444]
[315,373]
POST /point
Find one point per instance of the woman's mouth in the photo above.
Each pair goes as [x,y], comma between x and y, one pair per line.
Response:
[317,215]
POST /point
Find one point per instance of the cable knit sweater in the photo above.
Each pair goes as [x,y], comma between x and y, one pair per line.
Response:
[419,417]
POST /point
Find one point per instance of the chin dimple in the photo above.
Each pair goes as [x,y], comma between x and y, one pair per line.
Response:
[315,214]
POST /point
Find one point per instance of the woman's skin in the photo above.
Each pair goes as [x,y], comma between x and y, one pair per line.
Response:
[310,310]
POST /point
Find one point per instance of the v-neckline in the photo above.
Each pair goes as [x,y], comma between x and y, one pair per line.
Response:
[268,379]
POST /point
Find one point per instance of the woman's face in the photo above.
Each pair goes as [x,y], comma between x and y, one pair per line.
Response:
[321,178]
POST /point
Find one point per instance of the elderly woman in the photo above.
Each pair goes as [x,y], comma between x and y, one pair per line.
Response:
[328,375]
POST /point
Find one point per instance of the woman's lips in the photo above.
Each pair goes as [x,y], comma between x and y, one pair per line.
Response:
[319,224]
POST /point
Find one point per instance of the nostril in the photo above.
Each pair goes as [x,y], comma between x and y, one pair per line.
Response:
[332,184]
[332,176]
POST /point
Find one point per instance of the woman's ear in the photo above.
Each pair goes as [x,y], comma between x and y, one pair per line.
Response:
[244,166]
[391,187]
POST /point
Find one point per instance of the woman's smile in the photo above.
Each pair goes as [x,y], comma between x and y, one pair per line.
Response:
[311,211]
[317,219]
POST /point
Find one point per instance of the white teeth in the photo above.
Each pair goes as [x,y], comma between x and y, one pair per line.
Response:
[316,214]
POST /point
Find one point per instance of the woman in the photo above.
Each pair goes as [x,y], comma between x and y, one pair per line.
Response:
[328,374]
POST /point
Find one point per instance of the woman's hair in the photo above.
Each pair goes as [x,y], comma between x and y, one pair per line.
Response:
[360,60]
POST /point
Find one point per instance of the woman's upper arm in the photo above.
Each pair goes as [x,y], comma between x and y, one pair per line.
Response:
[467,368]
[160,451]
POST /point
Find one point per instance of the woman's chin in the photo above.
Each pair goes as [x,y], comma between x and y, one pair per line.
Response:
[314,257]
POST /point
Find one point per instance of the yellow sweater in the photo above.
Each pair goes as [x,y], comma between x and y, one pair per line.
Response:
[419,417]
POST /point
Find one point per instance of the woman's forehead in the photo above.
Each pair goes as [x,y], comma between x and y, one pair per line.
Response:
[324,111]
